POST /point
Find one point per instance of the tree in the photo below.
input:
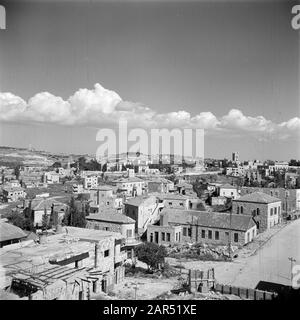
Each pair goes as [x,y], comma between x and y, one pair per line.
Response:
[17,220]
[56,165]
[45,220]
[75,217]
[29,218]
[17,172]
[151,253]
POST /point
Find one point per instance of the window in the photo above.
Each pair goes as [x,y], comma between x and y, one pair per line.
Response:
[170,203]
[242,209]
[271,211]
[236,237]
[238,210]
[278,210]
[129,233]
[275,211]
[287,193]
[217,235]
[209,234]
[106,253]
[203,234]
[257,211]
[184,231]
[168,237]
[189,232]
[163,236]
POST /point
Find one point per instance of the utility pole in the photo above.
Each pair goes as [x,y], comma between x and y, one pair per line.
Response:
[229,240]
[135,290]
[292,260]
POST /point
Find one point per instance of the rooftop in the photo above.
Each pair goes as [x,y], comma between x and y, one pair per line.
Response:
[111,217]
[219,220]
[227,186]
[42,204]
[137,201]
[258,197]
[10,232]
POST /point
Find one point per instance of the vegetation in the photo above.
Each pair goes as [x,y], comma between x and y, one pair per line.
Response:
[151,254]
[75,217]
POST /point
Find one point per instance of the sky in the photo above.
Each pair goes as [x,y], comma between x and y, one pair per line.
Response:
[69,68]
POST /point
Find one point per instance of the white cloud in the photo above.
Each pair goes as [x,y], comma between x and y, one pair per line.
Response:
[100,107]
[11,106]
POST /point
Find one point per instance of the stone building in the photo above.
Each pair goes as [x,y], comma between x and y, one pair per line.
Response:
[117,223]
[144,210]
[290,198]
[13,194]
[265,209]
[103,198]
[71,265]
[228,191]
[10,234]
[40,206]
[160,185]
[131,186]
[216,228]
[112,222]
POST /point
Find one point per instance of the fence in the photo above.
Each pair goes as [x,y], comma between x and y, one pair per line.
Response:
[245,293]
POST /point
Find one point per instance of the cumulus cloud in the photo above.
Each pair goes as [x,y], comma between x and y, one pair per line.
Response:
[100,106]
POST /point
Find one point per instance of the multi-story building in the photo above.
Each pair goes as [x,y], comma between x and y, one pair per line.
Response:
[144,210]
[265,209]
[177,226]
[77,188]
[73,264]
[103,198]
[160,185]
[235,157]
[229,191]
[290,198]
[41,206]
[13,194]
[131,186]
[90,182]
[51,177]
[117,223]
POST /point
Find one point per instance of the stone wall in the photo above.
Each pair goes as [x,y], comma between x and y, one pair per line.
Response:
[163,232]
[264,218]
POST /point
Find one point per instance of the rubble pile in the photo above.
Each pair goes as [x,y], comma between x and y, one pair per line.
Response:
[201,251]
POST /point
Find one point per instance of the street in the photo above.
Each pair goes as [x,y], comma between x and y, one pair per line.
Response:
[271,263]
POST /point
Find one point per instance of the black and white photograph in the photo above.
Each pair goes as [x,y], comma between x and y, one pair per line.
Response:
[149,151]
